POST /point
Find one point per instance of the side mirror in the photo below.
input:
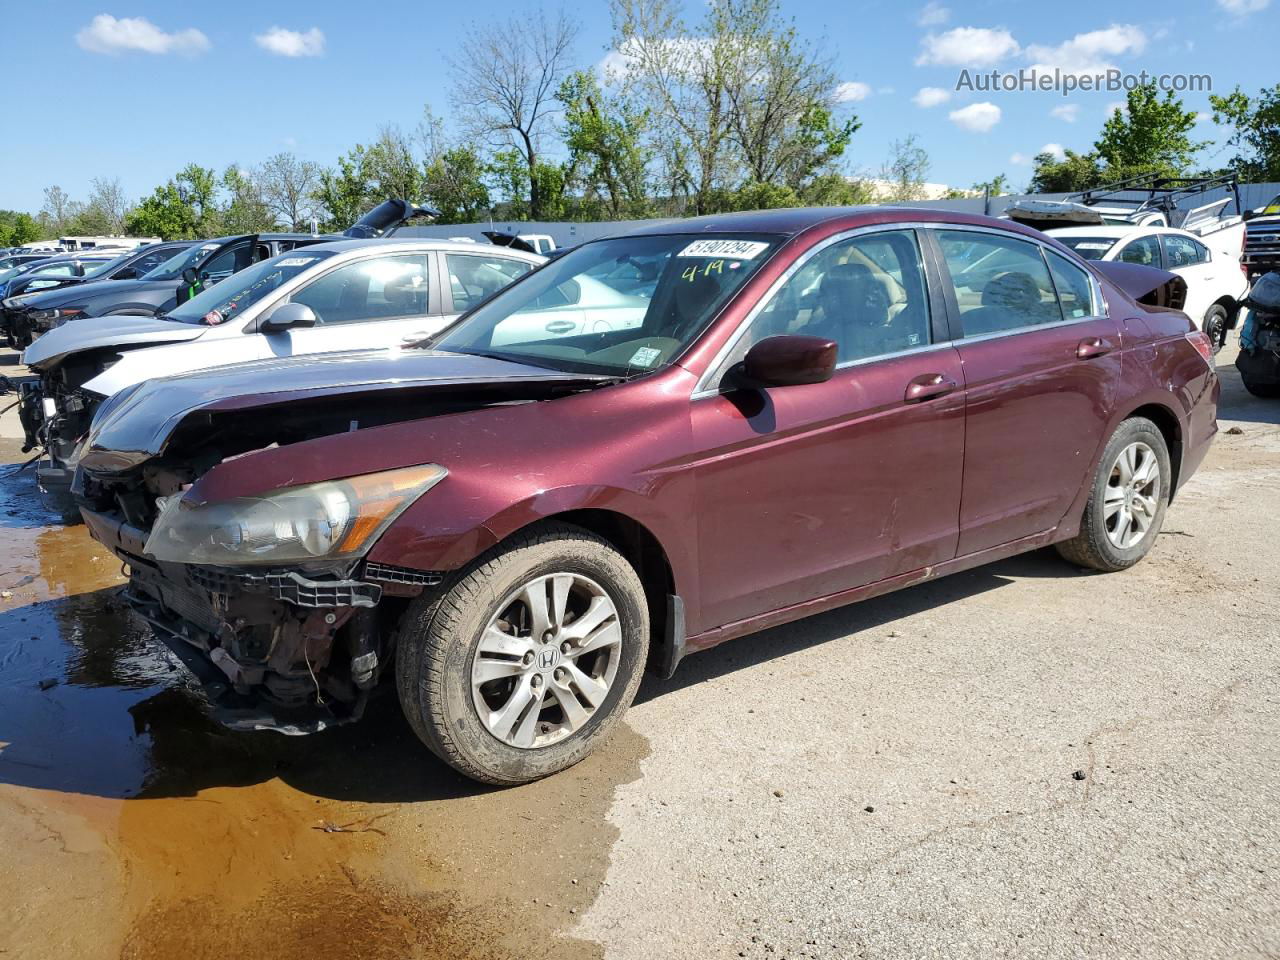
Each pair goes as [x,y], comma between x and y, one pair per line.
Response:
[190,277]
[287,316]
[786,361]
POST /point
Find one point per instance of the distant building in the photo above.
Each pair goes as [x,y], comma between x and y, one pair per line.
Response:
[885,189]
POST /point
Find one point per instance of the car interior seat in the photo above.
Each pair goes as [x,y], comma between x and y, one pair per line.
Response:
[1008,301]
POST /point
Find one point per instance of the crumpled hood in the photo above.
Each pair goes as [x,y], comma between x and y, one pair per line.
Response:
[93,333]
[135,424]
[64,296]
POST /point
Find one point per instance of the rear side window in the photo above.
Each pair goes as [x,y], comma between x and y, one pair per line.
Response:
[1000,283]
[1074,287]
[1143,250]
[1183,251]
[472,278]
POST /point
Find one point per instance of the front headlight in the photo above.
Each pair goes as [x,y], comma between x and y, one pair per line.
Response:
[334,520]
[62,313]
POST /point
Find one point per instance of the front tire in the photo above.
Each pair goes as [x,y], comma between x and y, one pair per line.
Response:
[529,660]
[1127,502]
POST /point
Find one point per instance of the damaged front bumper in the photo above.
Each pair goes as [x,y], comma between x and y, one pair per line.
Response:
[288,650]
[56,424]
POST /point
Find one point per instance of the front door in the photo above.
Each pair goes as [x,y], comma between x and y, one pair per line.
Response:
[1040,371]
[807,491]
[375,303]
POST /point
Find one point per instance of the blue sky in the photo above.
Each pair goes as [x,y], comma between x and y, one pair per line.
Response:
[138,91]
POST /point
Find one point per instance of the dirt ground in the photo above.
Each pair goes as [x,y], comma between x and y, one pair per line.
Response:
[1023,760]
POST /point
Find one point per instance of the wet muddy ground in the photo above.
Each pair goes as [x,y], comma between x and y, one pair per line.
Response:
[893,779]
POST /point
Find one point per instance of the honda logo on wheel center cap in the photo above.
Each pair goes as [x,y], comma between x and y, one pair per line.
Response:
[548,658]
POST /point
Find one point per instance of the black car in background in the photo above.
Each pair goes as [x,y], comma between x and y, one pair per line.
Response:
[71,269]
[203,264]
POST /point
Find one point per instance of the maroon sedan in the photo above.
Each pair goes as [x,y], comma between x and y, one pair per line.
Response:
[648,446]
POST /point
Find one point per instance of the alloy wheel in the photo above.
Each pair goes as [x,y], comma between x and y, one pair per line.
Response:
[546,660]
[1132,495]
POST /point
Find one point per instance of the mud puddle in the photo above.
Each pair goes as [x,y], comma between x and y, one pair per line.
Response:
[133,827]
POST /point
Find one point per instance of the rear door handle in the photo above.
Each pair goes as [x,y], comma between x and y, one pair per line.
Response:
[1092,347]
[928,386]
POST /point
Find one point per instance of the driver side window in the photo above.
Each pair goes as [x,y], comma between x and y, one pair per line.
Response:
[866,293]
[380,288]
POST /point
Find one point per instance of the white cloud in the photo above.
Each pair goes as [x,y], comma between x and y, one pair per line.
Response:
[976,117]
[292,43]
[934,14]
[1054,148]
[1089,52]
[1020,159]
[681,52]
[967,47]
[1203,117]
[1242,8]
[851,92]
[930,97]
[1069,112]
[106,34]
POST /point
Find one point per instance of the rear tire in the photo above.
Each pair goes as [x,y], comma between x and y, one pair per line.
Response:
[1268,391]
[579,695]
[1127,500]
[1215,326]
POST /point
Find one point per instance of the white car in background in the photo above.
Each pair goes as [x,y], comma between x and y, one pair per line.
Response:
[343,295]
[1210,264]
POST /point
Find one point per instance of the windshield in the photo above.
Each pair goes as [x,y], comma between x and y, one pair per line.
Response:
[104,268]
[1091,248]
[6,274]
[172,268]
[234,295]
[622,306]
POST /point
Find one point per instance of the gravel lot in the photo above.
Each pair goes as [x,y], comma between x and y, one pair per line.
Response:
[1022,760]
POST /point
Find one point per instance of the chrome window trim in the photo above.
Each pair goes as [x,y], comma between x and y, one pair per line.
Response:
[704,388]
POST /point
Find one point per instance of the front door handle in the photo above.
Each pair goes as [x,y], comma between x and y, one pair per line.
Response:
[1092,347]
[928,386]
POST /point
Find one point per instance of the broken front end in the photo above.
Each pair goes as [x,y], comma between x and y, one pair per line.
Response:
[267,600]
[56,412]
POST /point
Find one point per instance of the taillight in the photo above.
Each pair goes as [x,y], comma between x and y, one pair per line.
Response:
[1204,347]
[1244,245]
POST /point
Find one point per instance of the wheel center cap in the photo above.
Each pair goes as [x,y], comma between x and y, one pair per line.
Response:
[548,658]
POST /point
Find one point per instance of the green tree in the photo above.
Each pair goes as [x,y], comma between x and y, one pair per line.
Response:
[608,160]
[764,196]
[344,190]
[183,208]
[246,209]
[835,190]
[1151,135]
[390,168]
[509,177]
[454,184]
[905,171]
[997,186]
[1256,131]
[1074,172]
[24,230]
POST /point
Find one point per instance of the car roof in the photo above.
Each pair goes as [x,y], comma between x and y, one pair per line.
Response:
[422,243]
[790,221]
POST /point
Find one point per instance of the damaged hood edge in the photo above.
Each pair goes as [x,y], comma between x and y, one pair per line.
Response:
[136,424]
[93,333]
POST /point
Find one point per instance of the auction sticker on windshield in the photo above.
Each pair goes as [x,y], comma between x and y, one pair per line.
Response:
[741,249]
[295,261]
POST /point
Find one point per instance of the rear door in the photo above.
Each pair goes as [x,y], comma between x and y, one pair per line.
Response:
[807,491]
[1041,365]
[1190,260]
